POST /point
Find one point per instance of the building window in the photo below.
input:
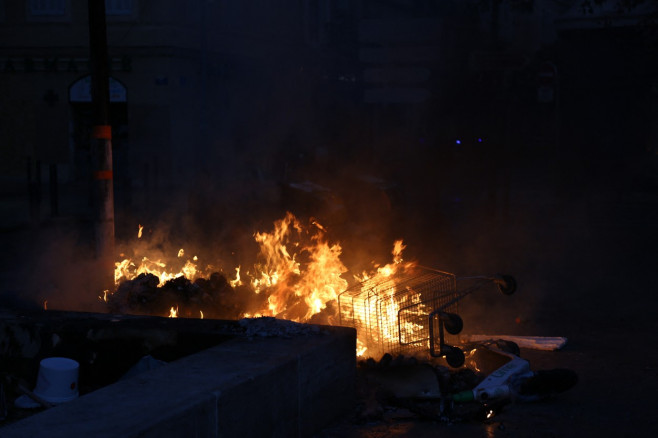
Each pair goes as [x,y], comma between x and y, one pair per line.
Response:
[48,11]
[47,8]
[119,7]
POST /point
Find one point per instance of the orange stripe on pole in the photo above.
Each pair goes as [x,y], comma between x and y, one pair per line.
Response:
[102,132]
[103,174]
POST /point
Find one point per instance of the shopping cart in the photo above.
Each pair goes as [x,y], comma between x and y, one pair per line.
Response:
[412,310]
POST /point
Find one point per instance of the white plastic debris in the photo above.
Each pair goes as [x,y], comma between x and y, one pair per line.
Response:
[532,342]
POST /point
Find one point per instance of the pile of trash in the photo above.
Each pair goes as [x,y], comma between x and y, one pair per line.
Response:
[214,297]
[493,376]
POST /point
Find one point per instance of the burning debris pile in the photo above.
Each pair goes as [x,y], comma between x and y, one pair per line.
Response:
[403,313]
[211,297]
[297,277]
[398,307]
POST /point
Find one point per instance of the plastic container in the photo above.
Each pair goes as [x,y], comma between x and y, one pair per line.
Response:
[57,381]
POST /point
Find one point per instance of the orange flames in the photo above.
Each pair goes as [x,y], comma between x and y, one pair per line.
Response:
[377,304]
[298,272]
[299,278]
[128,269]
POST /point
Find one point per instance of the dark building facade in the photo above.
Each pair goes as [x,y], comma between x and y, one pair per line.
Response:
[243,96]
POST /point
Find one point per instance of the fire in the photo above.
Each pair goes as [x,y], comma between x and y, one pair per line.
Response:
[360,348]
[139,231]
[301,273]
[321,282]
[278,264]
[386,271]
[378,304]
[297,271]
[127,269]
[237,281]
[298,274]
[190,269]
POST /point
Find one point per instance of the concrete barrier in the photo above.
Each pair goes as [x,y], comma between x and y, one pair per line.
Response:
[247,387]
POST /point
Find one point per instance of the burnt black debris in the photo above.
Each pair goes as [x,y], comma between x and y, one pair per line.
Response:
[211,297]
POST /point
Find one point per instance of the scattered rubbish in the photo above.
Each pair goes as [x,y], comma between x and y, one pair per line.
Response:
[267,327]
[143,295]
[515,381]
[30,400]
[407,379]
[497,385]
[146,363]
[493,376]
[531,342]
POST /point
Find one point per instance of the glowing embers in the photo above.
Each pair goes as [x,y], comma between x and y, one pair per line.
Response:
[390,311]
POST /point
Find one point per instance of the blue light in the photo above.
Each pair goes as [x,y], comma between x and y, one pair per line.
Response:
[479,140]
[458,142]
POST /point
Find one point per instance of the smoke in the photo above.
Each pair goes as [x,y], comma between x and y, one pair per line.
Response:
[60,271]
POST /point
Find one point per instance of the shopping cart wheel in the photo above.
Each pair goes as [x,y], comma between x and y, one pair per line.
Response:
[452,323]
[454,356]
[507,284]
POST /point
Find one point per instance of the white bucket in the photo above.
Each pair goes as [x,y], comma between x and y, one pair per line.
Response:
[57,381]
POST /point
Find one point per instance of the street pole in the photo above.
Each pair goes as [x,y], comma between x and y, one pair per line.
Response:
[101,137]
